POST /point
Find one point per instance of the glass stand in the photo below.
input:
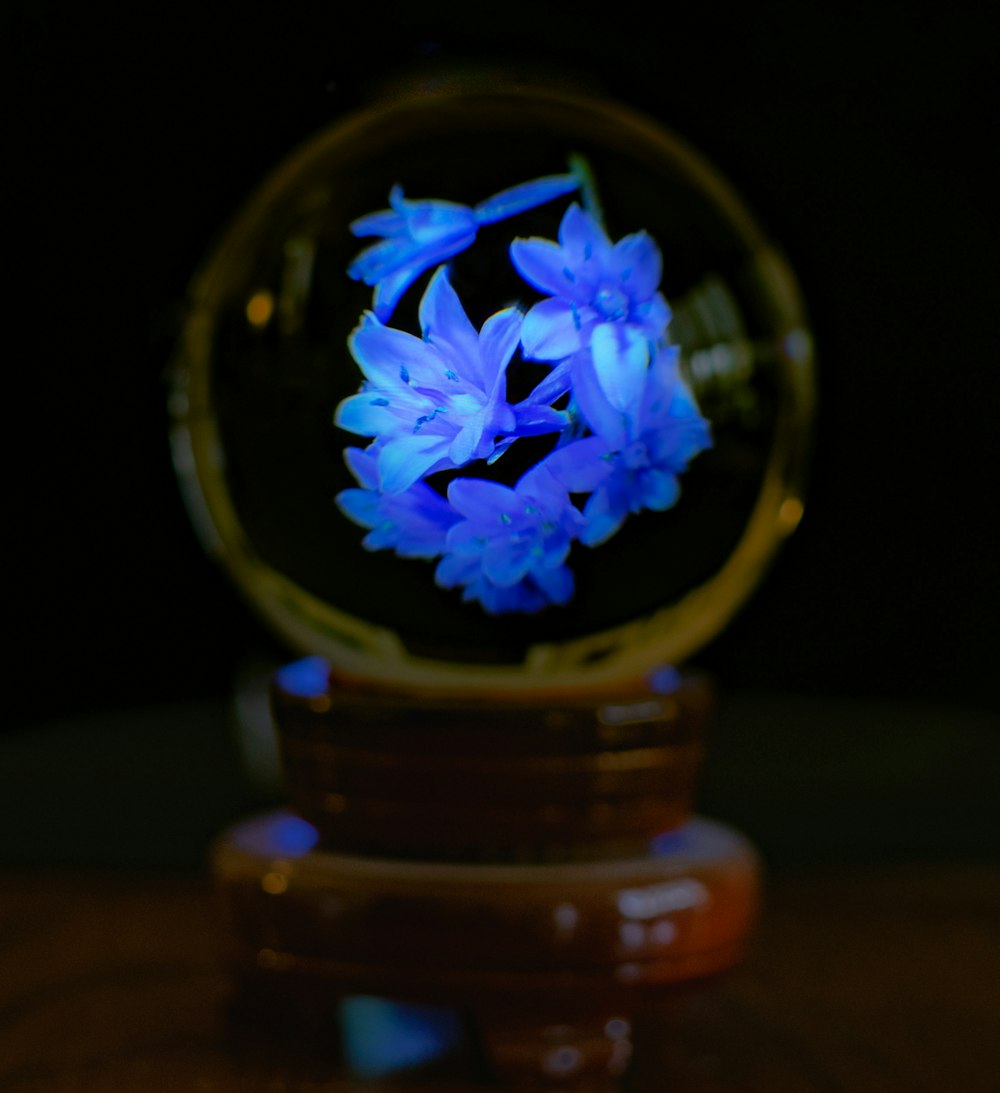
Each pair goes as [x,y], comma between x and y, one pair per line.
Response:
[526,956]
[525,973]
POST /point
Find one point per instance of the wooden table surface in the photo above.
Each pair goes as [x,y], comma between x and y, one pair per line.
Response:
[861,978]
[876,966]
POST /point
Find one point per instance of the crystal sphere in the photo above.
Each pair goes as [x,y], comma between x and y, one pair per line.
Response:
[266,360]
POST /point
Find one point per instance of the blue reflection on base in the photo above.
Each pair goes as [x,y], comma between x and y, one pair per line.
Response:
[664,680]
[307,678]
[275,835]
[703,841]
[291,836]
[382,1037]
[673,842]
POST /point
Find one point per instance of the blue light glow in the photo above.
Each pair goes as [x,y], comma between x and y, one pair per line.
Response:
[275,835]
[664,680]
[291,837]
[382,1037]
[307,678]
[671,842]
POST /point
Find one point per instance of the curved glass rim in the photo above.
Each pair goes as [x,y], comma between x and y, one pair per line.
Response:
[628,652]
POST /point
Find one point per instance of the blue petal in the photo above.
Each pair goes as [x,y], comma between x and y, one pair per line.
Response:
[360,414]
[537,420]
[604,512]
[444,323]
[466,443]
[552,387]
[393,359]
[550,331]
[359,505]
[384,222]
[528,195]
[542,490]
[678,440]
[556,584]
[581,466]
[466,539]
[422,527]
[586,246]
[555,549]
[543,264]
[498,340]
[603,419]
[431,221]
[659,490]
[621,356]
[653,315]
[392,287]
[455,569]
[383,258]
[363,466]
[404,460]
[390,290]
[505,563]
[481,501]
[637,265]
[382,537]
[500,447]
[503,601]
[663,383]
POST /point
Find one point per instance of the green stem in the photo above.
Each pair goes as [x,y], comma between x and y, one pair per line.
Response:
[579,167]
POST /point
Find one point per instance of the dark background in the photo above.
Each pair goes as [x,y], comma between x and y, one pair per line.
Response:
[860,137]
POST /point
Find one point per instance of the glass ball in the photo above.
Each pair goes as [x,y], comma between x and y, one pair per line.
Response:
[266,360]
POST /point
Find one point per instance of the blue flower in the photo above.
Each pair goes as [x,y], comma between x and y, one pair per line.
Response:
[602,297]
[417,235]
[414,523]
[508,550]
[438,402]
[632,464]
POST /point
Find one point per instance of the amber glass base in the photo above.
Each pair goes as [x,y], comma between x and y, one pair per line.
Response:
[497,883]
[524,973]
[488,778]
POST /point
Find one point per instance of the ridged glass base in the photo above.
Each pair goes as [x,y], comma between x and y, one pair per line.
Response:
[523,972]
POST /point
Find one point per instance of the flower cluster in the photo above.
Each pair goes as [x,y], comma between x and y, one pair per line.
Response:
[627,425]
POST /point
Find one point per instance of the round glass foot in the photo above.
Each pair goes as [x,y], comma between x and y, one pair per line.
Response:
[537,971]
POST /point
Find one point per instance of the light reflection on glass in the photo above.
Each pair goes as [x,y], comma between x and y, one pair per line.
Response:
[381,1037]
[300,256]
[632,935]
[670,842]
[617,1029]
[562,1061]
[790,514]
[674,895]
[663,932]
[260,308]
[274,883]
[566,917]
[798,346]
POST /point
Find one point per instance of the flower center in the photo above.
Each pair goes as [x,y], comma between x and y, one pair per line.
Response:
[611,303]
[635,456]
